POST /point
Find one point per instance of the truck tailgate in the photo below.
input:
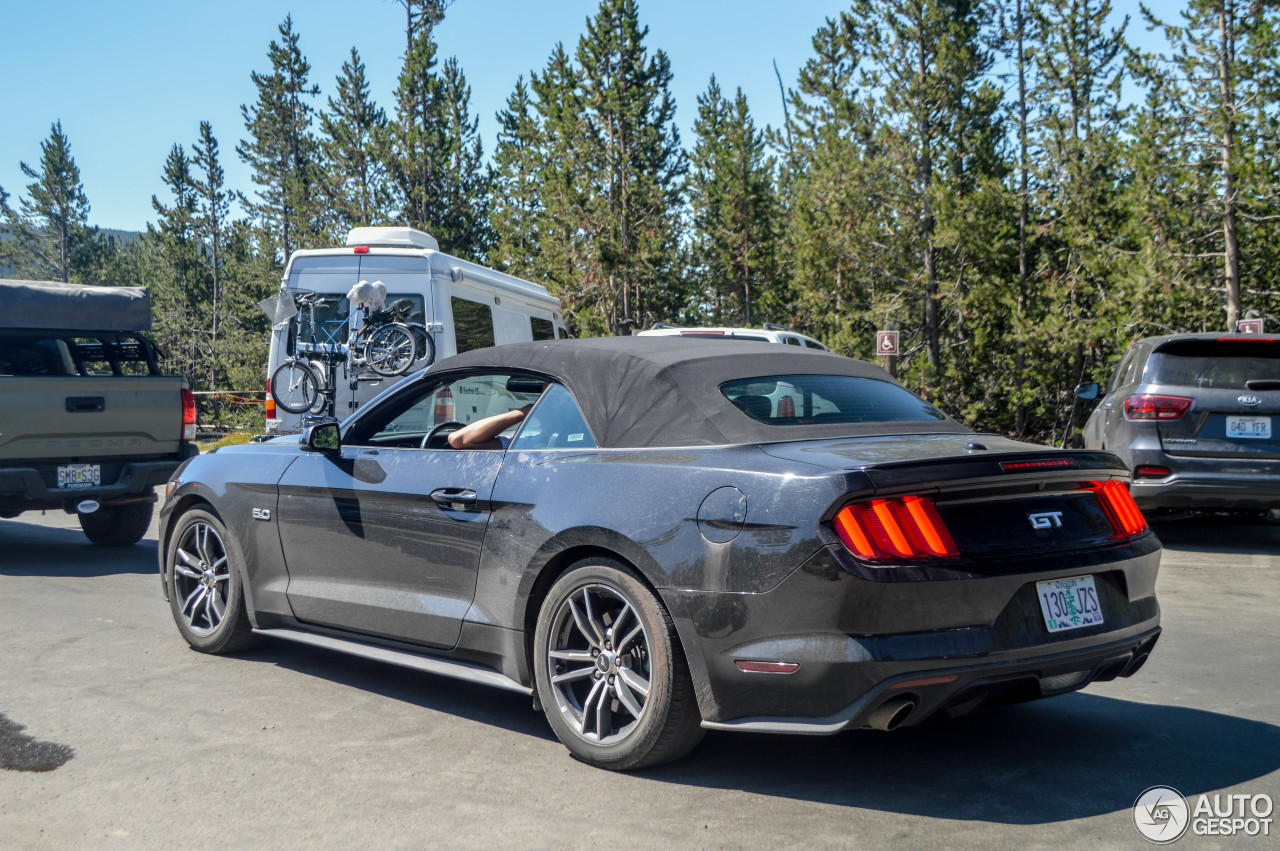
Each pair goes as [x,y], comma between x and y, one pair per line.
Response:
[85,417]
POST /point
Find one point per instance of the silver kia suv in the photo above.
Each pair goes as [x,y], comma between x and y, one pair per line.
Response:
[1197,419]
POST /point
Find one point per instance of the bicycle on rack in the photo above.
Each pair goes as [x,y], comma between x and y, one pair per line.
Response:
[306,381]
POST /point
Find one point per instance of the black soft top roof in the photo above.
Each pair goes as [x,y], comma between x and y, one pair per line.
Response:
[665,391]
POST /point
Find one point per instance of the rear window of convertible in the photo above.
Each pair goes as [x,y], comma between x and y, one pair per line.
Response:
[809,399]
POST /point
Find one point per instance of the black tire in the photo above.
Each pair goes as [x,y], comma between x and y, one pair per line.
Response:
[295,386]
[205,572]
[390,350]
[424,345]
[118,525]
[599,709]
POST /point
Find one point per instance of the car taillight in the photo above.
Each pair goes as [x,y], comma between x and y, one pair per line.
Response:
[271,402]
[188,415]
[1120,507]
[906,527]
[1144,406]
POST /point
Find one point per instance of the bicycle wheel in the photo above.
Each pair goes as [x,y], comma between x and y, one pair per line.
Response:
[390,349]
[425,346]
[295,386]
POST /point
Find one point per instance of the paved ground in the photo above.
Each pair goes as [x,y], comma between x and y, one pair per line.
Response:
[288,746]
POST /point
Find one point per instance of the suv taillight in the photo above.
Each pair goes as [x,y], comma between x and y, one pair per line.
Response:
[1144,406]
[188,415]
[906,527]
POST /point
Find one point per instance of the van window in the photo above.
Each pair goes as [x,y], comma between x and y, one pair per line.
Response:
[791,341]
[814,344]
[562,334]
[542,329]
[472,324]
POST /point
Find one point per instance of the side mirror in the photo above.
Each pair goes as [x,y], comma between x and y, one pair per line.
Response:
[1088,391]
[321,438]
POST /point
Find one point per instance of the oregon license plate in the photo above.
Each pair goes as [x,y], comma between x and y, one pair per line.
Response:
[79,476]
[1259,427]
[1069,603]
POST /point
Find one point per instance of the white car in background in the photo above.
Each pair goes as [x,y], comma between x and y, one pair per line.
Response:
[766,333]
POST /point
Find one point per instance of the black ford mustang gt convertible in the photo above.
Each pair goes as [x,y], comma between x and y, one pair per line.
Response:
[680,535]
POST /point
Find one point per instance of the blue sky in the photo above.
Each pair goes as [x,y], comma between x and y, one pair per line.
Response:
[129,79]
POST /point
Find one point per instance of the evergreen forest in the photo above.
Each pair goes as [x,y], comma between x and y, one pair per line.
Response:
[1011,185]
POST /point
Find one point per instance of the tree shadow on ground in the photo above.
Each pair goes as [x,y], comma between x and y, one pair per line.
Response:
[27,549]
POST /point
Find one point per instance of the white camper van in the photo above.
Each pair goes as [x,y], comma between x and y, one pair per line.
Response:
[462,305]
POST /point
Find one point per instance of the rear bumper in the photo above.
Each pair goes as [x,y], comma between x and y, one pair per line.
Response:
[940,644]
[1207,490]
[34,488]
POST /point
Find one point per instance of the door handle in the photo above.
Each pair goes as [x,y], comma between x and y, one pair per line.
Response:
[454,497]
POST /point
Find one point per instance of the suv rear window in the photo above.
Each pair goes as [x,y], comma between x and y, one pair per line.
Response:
[1214,363]
[809,399]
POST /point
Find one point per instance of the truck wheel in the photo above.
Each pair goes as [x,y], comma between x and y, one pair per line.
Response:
[204,570]
[118,525]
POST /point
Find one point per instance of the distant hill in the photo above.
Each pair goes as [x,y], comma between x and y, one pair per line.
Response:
[123,237]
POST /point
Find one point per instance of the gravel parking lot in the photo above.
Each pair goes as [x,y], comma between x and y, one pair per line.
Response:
[290,746]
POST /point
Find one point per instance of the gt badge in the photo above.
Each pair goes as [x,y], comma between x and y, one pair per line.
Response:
[1045,519]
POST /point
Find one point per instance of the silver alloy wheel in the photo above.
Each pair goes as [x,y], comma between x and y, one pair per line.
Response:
[201,578]
[598,663]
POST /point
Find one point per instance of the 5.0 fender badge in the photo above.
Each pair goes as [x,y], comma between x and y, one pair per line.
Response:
[262,514]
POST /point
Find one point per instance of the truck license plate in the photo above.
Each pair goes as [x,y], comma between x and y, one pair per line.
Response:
[79,475]
[1069,603]
[1249,427]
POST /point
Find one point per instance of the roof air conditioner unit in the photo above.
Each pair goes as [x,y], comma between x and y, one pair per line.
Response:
[392,238]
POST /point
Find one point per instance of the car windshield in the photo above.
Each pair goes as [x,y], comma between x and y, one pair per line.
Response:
[1214,363]
[810,399]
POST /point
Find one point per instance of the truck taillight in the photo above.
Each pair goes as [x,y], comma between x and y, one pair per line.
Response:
[188,415]
[906,527]
[1145,406]
[271,402]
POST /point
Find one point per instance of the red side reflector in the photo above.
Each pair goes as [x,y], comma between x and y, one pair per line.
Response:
[1039,465]
[1152,472]
[188,415]
[753,667]
[361,249]
[906,527]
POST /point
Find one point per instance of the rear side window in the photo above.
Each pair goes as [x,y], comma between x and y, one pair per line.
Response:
[555,423]
[1214,363]
[472,324]
[809,399]
[542,329]
[813,344]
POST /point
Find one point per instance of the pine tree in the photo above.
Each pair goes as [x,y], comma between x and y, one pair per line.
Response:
[517,206]
[633,161]
[282,150]
[733,208]
[49,234]
[354,172]
[1219,94]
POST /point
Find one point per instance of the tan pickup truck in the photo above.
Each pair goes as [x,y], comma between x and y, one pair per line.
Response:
[88,423]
